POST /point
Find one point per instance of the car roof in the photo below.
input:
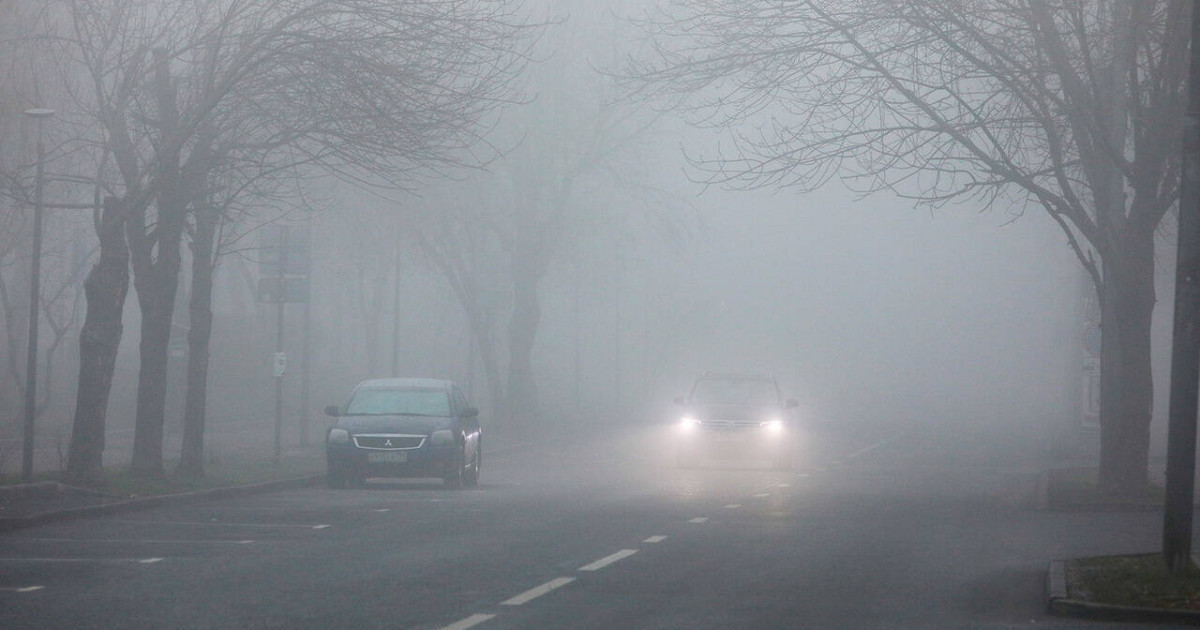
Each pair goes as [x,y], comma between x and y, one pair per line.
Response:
[424,383]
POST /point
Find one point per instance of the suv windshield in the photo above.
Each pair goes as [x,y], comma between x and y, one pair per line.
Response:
[735,391]
[391,401]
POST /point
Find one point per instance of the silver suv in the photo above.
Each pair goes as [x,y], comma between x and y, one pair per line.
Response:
[733,416]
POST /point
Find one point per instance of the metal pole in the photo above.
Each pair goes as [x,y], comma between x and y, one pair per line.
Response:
[1185,350]
[396,313]
[282,296]
[35,291]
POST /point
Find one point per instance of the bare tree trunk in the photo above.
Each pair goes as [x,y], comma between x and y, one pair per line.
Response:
[191,462]
[1126,389]
[483,331]
[521,410]
[106,288]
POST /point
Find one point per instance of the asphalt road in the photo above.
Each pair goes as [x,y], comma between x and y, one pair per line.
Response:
[876,527]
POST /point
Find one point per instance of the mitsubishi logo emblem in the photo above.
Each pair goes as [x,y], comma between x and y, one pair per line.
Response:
[388,443]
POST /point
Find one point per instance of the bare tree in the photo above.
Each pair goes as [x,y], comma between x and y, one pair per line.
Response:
[357,87]
[1072,106]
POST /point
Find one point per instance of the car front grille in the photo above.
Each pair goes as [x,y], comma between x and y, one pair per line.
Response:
[389,442]
[729,425]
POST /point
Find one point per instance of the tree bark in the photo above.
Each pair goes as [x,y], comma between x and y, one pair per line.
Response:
[521,409]
[1126,385]
[106,288]
[191,462]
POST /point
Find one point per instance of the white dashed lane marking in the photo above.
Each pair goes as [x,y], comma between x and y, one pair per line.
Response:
[538,591]
[222,524]
[21,589]
[607,560]
[655,539]
[733,506]
[137,541]
[11,560]
[469,622]
[699,519]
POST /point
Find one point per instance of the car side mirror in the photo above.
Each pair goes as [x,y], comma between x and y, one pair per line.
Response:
[679,400]
[470,412]
[333,411]
[792,402]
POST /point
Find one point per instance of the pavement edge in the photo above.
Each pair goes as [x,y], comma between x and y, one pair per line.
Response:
[1059,603]
[140,503]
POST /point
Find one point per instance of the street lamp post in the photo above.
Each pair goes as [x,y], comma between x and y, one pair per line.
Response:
[35,282]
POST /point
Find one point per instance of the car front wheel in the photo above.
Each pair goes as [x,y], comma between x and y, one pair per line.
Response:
[454,477]
[472,475]
[336,479]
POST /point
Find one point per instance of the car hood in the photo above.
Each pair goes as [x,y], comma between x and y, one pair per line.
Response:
[417,425]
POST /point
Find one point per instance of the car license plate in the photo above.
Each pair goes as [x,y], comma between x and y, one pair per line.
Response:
[387,457]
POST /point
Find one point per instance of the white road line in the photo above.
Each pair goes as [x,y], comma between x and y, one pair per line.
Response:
[868,449]
[469,622]
[699,519]
[81,560]
[136,541]
[607,560]
[762,495]
[20,589]
[220,524]
[655,539]
[389,510]
[788,485]
[536,592]
[733,506]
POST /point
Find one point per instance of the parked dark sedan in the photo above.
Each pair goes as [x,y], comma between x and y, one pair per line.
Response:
[404,427]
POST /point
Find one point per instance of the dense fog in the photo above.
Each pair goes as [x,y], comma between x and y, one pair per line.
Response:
[869,309]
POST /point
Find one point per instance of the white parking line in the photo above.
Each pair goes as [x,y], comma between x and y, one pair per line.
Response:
[536,592]
[469,622]
[699,519]
[655,539]
[607,560]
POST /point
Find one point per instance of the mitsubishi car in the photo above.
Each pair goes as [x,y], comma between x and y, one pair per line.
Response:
[404,427]
[735,416]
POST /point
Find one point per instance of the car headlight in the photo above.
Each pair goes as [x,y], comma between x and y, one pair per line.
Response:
[442,437]
[773,426]
[689,423]
[339,436]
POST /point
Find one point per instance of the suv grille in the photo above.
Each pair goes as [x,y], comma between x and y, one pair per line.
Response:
[389,442]
[729,425]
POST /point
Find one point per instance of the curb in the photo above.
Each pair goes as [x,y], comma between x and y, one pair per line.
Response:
[1059,603]
[140,503]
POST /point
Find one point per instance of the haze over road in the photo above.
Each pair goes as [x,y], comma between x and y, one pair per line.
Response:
[877,527]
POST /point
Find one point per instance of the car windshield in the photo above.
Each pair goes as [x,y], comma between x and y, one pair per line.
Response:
[395,401]
[735,392]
